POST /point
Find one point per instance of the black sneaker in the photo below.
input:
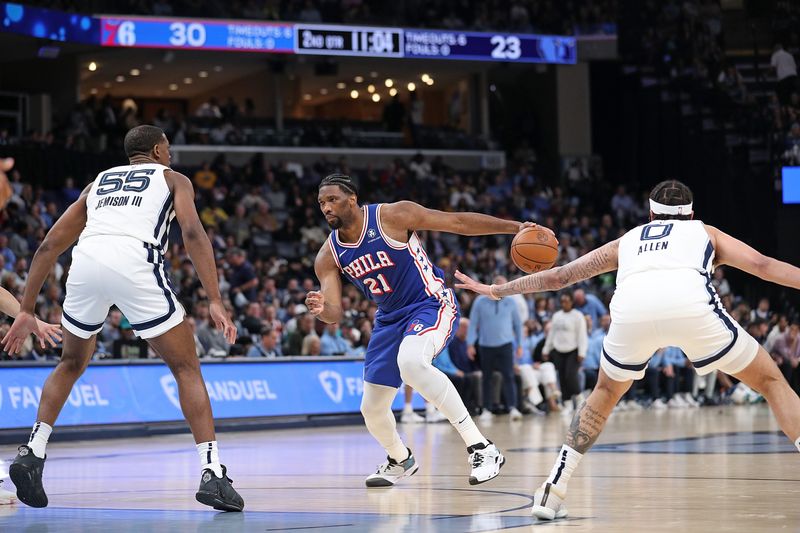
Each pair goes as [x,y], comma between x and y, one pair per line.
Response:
[26,473]
[218,492]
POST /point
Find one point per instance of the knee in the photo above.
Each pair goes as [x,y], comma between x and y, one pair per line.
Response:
[770,382]
[185,369]
[613,389]
[413,358]
[367,410]
[72,365]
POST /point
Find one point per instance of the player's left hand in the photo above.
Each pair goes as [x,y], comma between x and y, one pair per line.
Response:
[49,334]
[472,285]
[23,326]
[529,224]
[221,321]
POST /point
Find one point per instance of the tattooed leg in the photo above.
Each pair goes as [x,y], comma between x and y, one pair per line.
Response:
[588,422]
[590,418]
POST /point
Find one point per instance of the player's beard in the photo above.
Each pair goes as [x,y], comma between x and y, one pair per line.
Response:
[335,223]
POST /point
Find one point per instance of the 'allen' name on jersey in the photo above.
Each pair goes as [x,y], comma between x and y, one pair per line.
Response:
[365,264]
[652,246]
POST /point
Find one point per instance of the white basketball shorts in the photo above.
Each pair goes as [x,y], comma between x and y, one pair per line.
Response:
[711,340]
[120,271]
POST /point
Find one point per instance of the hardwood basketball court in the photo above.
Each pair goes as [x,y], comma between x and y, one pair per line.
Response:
[710,469]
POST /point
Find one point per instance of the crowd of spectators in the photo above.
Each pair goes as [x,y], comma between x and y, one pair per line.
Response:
[545,16]
[785,105]
[265,228]
[98,125]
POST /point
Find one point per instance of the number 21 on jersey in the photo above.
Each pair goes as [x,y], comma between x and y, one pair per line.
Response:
[377,285]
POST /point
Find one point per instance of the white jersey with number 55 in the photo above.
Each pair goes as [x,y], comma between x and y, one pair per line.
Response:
[133,201]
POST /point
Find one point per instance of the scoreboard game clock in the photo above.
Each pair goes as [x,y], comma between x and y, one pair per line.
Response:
[334,40]
[348,41]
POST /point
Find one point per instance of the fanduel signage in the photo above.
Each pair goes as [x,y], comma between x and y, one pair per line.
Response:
[149,393]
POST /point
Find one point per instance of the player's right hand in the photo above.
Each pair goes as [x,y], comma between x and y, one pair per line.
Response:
[529,224]
[23,326]
[49,334]
[221,321]
[315,301]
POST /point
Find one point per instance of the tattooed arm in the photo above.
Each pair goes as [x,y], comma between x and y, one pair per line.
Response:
[599,261]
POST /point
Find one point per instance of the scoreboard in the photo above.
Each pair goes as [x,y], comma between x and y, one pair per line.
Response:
[145,32]
[334,40]
[285,38]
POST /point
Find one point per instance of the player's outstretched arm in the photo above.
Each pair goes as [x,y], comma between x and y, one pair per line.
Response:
[199,249]
[598,261]
[733,252]
[411,216]
[50,333]
[326,304]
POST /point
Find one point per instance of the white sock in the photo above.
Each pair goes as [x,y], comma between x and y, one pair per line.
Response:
[39,437]
[469,431]
[408,408]
[797,444]
[209,457]
[567,460]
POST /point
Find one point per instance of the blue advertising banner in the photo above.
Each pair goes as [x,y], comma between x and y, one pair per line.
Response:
[141,393]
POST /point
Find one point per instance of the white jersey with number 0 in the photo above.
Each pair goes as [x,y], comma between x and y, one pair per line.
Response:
[664,268]
[130,200]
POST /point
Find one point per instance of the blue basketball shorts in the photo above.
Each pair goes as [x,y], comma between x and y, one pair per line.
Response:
[437,318]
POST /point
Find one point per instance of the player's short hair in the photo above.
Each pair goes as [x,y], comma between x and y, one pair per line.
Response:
[141,139]
[672,192]
[345,183]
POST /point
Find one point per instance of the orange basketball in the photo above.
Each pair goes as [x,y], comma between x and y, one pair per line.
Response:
[534,249]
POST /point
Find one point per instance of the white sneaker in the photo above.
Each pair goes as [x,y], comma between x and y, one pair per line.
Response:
[514,414]
[391,471]
[677,403]
[689,399]
[633,405]
[658,405]
[621,406]
[548,503]
[486,416]
[410,417]
[485,461]
[434,417]
[533,409]
[567,409]
[6,497]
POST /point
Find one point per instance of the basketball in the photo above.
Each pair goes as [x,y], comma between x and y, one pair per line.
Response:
[534,249]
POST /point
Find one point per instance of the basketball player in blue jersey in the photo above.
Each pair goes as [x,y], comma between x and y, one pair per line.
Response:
[122,219]
[664,297]
[377,249]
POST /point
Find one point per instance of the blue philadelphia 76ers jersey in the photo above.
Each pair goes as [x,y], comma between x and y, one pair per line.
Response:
[393,274]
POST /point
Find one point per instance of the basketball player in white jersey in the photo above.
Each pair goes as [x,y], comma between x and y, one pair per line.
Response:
[123,220]
[664,297]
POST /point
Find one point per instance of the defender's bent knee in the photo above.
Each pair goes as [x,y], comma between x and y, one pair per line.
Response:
[72,366]
[414,357]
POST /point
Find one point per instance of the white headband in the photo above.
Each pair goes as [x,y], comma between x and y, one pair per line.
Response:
[661,209]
